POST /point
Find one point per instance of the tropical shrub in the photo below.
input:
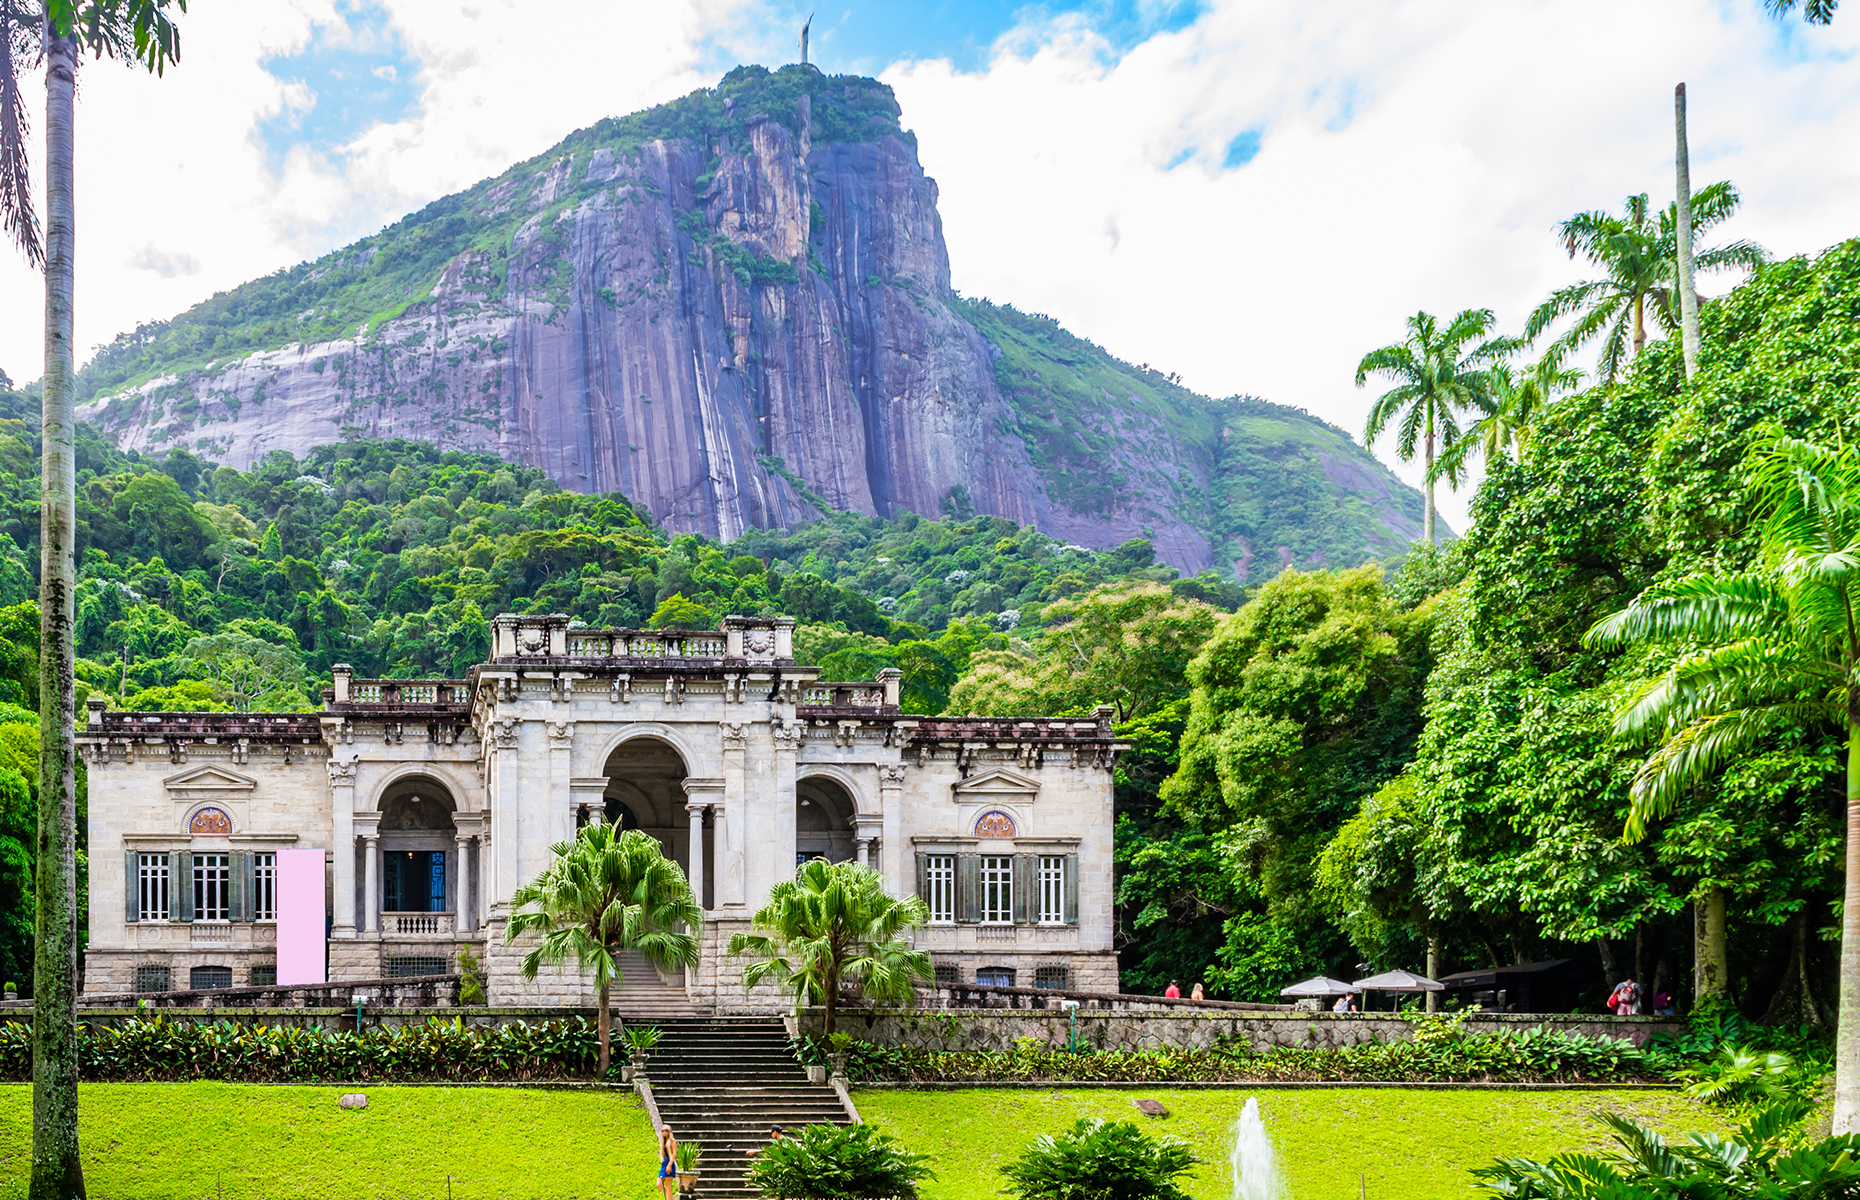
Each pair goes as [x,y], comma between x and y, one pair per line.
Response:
[1100,1160]
[1759,1160]
[835,1162]
[1742,1075]
[161,1049]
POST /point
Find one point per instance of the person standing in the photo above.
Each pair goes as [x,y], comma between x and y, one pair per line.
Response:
[1173,991]
[1195,994]
[668,1163]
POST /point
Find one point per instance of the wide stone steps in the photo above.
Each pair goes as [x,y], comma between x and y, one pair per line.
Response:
[644,995]
[721,1082]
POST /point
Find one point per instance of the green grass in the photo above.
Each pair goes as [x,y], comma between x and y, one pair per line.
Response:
[166,1141]
[1407,1144]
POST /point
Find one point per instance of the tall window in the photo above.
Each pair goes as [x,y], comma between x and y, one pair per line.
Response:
[940,883]
[1052,889]
[997,889]
[151,889]
[213,888]
[264,887]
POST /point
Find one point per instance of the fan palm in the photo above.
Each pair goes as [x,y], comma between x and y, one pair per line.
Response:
[1638,252]
[1762,652]
[831,925]
[1515,399]
[607,891]
[1815,12]
[1436,378]
[54,33]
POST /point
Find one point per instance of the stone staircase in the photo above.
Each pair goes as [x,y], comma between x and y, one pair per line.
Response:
[644,995]
[721,1082]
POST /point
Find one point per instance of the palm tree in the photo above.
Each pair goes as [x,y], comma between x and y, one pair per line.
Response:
[833,924]
[1763,652]
[1515,399]
[607,891]
[55,33]
[1437,378]
[1815,12]
[1638,252]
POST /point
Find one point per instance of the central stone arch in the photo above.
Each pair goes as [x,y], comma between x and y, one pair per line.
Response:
[645,790]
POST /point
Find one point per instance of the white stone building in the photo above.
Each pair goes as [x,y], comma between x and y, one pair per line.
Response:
[436,799]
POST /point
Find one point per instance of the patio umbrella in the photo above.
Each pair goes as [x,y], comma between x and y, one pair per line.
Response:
[1322,985]
[1400,981]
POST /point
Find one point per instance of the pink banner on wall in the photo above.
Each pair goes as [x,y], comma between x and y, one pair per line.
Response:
[301,922]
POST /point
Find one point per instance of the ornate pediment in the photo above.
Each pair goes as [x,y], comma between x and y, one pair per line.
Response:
[213,779]
[1000,786]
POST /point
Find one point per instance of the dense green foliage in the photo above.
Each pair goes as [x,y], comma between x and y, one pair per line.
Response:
[160,1048]
[1100,1160]
[838,1162]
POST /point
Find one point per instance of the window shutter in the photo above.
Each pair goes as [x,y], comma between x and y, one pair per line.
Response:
[180,886]
[968,888]
[923,879]
[1072,889]
[1023,886]
[239,886]
[131,898]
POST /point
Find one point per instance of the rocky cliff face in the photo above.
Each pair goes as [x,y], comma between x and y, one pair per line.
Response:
[735,309]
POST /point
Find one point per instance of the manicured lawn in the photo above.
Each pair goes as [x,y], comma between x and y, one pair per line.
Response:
[1407,1144]
[166,1141]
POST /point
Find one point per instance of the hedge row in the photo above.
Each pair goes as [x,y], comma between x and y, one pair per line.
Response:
[1536,1056]
[161,1049]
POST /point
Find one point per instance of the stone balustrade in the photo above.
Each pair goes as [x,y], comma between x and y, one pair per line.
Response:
[401,924]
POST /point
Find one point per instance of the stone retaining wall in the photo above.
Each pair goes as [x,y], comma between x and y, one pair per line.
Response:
[969,1029]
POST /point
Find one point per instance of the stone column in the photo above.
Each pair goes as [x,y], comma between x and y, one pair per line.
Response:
[860,847]
[342,842]
[696,854]
[561,789]
[727,888]
[900,878]
[371,900]
[461,900]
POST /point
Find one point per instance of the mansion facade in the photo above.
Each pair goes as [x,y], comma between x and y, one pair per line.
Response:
[436,799]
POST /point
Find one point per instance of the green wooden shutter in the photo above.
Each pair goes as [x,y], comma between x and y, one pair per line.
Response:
[180,886]
[1072,889]
[923,878]
[1023,886]
[238,886]
[132,905]
[968,888]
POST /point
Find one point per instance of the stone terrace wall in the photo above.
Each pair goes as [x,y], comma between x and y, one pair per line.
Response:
[993,1029]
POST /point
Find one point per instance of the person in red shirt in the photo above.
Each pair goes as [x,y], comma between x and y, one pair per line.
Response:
[1173,992]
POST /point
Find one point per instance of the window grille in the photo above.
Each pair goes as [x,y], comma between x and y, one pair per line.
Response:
[151,891]
[940,880]
[213,888]
[997,889]
[995,976]
[946,975]
[209,977]
[153,979]
[263,975]
[1052,889]
[402,966]
[1051,978]
[265,888]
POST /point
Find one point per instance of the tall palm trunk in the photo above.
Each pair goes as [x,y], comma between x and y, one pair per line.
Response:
[1640,322]
[1688,298]
[1427,494]
[602,1025]
[1847,1020]
[1711,960]
[1433,969]
[57,1173]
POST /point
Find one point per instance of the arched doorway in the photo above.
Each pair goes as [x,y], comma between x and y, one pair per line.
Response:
[416,876]
[646,791]
[823,820]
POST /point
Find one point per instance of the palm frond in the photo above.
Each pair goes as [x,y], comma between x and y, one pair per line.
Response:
[1699,608]
[17,217]
[1699,749]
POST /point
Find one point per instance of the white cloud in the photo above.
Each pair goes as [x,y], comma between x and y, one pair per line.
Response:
[1413,155]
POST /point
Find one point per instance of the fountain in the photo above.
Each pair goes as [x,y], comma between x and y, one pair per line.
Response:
[1255,1167]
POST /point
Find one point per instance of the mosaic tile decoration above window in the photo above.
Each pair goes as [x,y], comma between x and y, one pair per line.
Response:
[995,824]
[210,820]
